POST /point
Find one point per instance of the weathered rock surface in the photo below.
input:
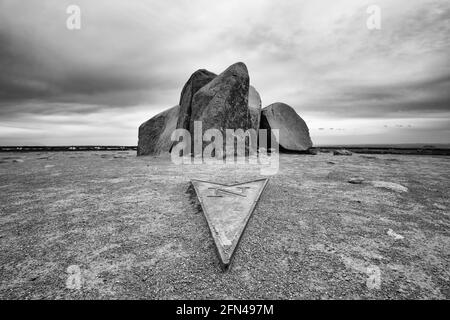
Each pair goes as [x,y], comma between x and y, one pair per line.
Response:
[294,133]
[254,107]
[197,80]
[223,102]
[154,134]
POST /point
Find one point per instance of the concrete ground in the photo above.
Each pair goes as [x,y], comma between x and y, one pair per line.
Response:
[109,225]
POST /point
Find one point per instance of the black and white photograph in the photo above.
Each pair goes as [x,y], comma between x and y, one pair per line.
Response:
[240,151]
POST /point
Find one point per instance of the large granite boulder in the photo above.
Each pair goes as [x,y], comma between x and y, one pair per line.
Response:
[294,133]
[197,80]
[223,103]
[254,107]
[154,134]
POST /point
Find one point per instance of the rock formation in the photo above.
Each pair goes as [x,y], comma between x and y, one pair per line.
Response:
[224,101]
[294,133]
[154,134]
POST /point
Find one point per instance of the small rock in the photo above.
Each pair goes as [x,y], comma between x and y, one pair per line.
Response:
[394,235]
[389,185]
[356,180]
[198,79]
[374,277]
[331,162]
[439,206]
[49,166]
[74,277]
[342,152]
[17,160]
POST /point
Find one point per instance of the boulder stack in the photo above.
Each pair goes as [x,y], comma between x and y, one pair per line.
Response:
[224,101]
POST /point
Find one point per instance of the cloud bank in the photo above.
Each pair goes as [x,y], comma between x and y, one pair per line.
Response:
[130,60]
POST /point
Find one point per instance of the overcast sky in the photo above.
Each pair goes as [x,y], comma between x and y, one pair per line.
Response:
[130,60]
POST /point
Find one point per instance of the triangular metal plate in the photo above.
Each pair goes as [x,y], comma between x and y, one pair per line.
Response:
[227,209]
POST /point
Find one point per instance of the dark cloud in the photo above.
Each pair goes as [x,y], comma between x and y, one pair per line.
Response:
[409,98]
[27,76]
[135,56]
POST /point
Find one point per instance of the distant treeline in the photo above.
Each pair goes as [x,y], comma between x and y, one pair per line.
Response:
[65,148]
[389,150]
[368,150]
